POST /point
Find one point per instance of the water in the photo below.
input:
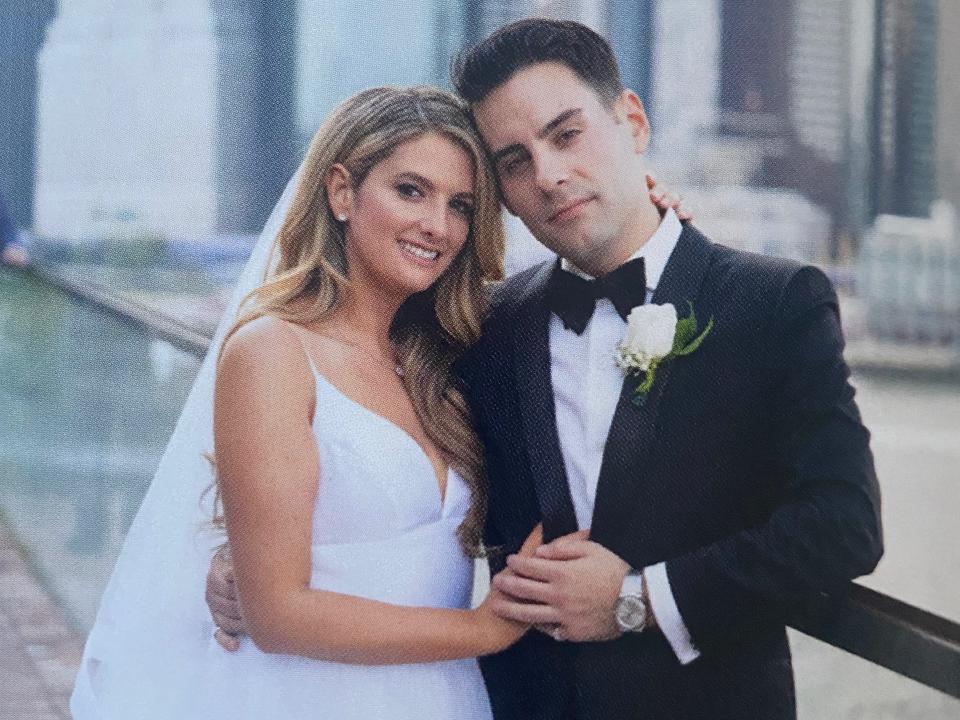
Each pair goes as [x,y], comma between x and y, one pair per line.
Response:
[87,403]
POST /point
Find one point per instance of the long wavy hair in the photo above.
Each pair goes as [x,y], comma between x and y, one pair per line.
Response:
[308,274]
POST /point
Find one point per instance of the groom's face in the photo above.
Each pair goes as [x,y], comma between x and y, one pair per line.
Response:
[569,164]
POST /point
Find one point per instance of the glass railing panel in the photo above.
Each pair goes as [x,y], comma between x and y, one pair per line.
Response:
[88,402]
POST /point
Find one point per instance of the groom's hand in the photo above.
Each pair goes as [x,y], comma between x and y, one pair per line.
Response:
[223,602]
[571,585]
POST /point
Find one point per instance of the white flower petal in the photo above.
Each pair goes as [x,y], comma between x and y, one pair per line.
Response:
[650,331]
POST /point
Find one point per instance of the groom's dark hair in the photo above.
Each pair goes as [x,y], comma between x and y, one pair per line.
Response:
[480,70]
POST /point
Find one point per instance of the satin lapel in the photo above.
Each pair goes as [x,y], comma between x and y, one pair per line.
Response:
[632,431]
[535,395]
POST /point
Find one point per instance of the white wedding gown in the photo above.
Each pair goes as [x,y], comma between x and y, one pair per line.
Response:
[380,531]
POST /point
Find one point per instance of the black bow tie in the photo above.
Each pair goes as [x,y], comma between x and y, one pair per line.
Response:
[573,298]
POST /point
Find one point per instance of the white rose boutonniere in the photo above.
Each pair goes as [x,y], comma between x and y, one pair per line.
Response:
[655,336]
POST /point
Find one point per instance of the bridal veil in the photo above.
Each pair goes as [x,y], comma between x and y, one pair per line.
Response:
[153,620]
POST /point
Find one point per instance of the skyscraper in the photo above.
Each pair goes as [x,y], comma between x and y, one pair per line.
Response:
[905,92]
[482,17]
[948,103]
[755,43]
[631,31]
[171,119]
[815,157]
[818,84]
[22,27]
[684,67]
[342,48]
[275,138]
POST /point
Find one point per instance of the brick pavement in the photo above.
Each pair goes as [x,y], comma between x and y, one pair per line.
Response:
[39,651]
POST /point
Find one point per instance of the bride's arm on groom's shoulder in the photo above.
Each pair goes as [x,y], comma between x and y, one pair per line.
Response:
[267,466]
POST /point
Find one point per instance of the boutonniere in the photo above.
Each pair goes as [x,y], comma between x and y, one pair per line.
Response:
[655,336]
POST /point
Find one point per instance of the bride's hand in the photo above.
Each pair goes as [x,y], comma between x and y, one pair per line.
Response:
[503,633]
[664,199]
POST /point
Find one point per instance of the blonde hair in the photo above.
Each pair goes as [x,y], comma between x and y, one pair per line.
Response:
[308,273]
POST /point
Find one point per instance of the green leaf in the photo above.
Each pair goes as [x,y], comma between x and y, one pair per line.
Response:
[698,341]
[642,389]
[685,331]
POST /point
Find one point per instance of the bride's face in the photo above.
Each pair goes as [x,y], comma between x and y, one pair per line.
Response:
[410,216]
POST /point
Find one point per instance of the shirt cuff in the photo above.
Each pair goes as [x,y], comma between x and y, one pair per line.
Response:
[668,614]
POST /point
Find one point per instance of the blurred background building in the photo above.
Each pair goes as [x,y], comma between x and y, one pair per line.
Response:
[22,27]
[789,126]
[144,142]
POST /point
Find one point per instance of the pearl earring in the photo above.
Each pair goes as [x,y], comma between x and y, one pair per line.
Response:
[342,217]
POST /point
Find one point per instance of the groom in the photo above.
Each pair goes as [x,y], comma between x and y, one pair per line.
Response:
[740,480]
[718,485]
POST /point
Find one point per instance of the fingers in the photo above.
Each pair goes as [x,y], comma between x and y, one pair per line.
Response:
[523,588]
[656,190]
[658,196]
[533,541]
[227,642]
[229,610]
[522,612]
[218,589]
[222,596]
[221,591]
[228,625]
[221,566]
[232,626]
[664,199]
[533,568]
[568,548]
[224,606]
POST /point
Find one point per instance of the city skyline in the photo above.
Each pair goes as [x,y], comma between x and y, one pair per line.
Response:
[127,142]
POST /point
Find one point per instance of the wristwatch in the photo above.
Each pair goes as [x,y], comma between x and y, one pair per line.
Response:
[633,608]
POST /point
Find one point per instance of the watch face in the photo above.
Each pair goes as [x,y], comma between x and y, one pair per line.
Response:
[631,613]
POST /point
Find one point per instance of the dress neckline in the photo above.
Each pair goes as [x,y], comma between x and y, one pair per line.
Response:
[441,480]
[442,488]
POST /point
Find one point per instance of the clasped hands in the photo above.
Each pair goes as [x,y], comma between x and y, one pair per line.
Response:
[568,589]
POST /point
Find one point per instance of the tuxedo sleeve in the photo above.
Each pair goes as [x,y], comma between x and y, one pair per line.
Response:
[825,529]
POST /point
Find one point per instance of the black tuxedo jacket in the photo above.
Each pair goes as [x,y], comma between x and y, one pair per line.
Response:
[747,470]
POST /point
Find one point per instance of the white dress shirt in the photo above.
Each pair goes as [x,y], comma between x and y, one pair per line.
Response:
[586,387]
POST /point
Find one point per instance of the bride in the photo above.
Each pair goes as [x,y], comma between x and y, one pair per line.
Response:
[351,479]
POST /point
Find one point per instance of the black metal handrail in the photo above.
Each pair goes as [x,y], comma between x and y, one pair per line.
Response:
[165,327]
[888,632]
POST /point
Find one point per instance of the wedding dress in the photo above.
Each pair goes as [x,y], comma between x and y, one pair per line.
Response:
[380,530]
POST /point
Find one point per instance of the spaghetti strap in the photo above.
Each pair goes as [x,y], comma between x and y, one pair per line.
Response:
[298,333]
